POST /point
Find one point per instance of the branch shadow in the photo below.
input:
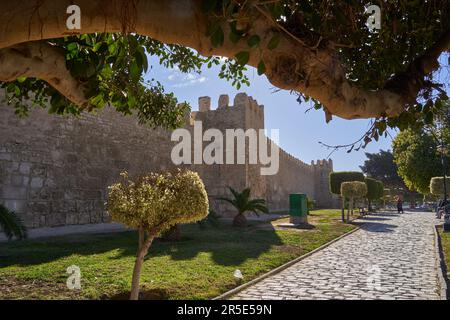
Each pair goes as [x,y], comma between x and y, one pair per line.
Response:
[375,226]
[228,246]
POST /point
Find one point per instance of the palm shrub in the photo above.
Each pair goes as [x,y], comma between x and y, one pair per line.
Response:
[154,203]
[242,202]
[11,224]
[353,190]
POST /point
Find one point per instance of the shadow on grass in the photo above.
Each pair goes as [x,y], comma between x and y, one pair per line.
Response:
[228,246]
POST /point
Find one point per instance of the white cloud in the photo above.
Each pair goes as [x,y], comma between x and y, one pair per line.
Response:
[185,80]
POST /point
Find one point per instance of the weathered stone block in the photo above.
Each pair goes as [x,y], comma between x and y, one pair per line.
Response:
[241,100]
[224,101]
[11,192]
[36,183]
[25,168]
[16,180]
[204,104]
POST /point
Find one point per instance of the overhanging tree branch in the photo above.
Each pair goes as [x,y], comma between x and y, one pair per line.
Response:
[41,60]
[317,73]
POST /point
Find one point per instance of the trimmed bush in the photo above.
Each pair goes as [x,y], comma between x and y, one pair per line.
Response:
[337,178]
[437,186]
[153,204]
[372,189]
[311,204]
[353,190]
[380,189]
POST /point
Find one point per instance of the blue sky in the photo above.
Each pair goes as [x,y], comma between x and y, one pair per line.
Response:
[300,132]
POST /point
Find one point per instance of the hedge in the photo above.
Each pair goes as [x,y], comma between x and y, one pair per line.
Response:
[336,179]
[437,186]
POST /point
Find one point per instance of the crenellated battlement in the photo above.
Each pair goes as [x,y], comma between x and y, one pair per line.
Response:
[67,162]
[241,100]
[322,163]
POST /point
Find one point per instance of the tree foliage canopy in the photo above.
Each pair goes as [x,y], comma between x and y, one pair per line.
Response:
[353,189]
[322,50]
[375,189]
[158,201]
[337,178]
[423,154]
[381,166]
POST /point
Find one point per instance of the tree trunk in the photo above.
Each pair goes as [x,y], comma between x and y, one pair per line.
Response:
[369,205]
[343,209]
[173,234]
[144,245]
[240,220]
[350,208]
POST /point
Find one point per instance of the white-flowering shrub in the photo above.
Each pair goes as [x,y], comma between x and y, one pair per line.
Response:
[158,201]
[154,203]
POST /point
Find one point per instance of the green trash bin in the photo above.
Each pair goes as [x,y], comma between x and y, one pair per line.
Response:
[298,208]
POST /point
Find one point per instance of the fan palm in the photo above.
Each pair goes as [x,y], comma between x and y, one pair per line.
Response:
[11,224]
[242,202]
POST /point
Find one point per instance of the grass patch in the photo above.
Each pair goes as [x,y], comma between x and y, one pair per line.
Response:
[445,242]
[199,267]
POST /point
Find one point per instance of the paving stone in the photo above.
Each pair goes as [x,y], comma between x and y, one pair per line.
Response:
[392,257]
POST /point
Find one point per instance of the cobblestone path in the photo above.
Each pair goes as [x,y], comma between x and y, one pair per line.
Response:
[391,257]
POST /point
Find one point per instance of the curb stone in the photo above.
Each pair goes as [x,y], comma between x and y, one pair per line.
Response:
[440,264]
[272,272]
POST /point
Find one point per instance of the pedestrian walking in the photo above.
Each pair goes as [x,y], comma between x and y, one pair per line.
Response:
[399,205]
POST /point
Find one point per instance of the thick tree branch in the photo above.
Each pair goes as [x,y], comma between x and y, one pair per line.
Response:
[292,66]
[40,60]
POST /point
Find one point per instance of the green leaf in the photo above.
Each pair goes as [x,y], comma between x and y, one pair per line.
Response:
[135,71]
[242,57]
[274,41]
[429,117]
[234,36]
[261,68]
[253,41]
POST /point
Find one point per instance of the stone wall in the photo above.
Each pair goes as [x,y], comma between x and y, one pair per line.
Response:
[55,170]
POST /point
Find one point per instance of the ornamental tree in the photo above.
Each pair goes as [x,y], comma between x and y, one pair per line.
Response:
[374,190]
[418,159]
[353,190]
[324,51]
[437,186]
[154,203]
[337,178]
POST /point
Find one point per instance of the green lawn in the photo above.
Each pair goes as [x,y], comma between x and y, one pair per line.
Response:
[445,242]
[200,266]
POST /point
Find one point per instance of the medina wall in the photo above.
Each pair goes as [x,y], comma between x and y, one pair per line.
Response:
[55,170]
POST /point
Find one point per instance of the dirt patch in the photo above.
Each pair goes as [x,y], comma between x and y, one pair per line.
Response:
[144,294]
[290,249]
[13,288]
